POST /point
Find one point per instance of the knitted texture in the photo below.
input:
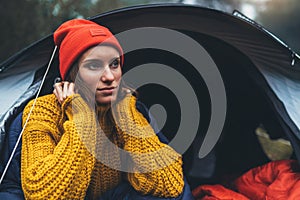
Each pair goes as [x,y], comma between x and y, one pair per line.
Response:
[156,168]
[60,145]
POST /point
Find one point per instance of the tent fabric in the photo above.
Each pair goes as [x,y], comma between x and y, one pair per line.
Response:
[260,74]
[15,86]
[263,49]
[17,101]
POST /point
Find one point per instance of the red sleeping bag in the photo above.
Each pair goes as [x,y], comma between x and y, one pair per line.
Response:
[277,180]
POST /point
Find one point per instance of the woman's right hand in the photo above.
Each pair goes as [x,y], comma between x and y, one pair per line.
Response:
[63,89]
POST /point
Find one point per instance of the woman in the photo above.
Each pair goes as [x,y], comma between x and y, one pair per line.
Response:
[90,139]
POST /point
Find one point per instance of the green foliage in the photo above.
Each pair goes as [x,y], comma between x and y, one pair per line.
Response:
[20,25]
[282,18]
[26,21]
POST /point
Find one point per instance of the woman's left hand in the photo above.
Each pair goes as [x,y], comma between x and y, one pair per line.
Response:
[63,89]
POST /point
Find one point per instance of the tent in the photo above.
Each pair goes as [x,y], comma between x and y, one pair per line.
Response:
[259,73]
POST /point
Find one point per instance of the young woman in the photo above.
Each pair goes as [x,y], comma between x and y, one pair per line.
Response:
[91,139]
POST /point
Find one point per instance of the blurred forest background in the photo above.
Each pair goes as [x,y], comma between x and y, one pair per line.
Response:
[26,21]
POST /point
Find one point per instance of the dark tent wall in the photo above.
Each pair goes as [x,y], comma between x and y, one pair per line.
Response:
[260,74]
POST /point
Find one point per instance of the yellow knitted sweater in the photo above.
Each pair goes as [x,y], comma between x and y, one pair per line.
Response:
[63,152]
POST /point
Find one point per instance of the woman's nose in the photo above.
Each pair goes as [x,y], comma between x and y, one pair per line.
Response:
[107,75]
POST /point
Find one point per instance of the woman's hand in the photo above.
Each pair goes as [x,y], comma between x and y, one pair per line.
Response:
[63,89]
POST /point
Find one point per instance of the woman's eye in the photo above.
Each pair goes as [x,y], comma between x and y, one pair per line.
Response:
[115,63]
[93,66]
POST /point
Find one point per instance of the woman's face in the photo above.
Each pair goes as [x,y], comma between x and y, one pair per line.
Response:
[100,70]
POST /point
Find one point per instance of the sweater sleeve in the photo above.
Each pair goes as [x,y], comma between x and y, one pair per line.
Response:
[55,161]
[153,167]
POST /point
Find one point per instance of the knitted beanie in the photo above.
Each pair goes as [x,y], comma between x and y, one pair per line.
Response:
[76,36]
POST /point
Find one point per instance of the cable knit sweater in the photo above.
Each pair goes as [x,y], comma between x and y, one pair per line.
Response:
[63,152]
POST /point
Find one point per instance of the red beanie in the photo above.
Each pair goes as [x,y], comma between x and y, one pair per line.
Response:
[76,36]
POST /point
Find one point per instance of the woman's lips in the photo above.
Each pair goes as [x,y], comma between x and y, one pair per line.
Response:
[108,90]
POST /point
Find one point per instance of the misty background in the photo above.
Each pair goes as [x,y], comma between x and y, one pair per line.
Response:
[24,22]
